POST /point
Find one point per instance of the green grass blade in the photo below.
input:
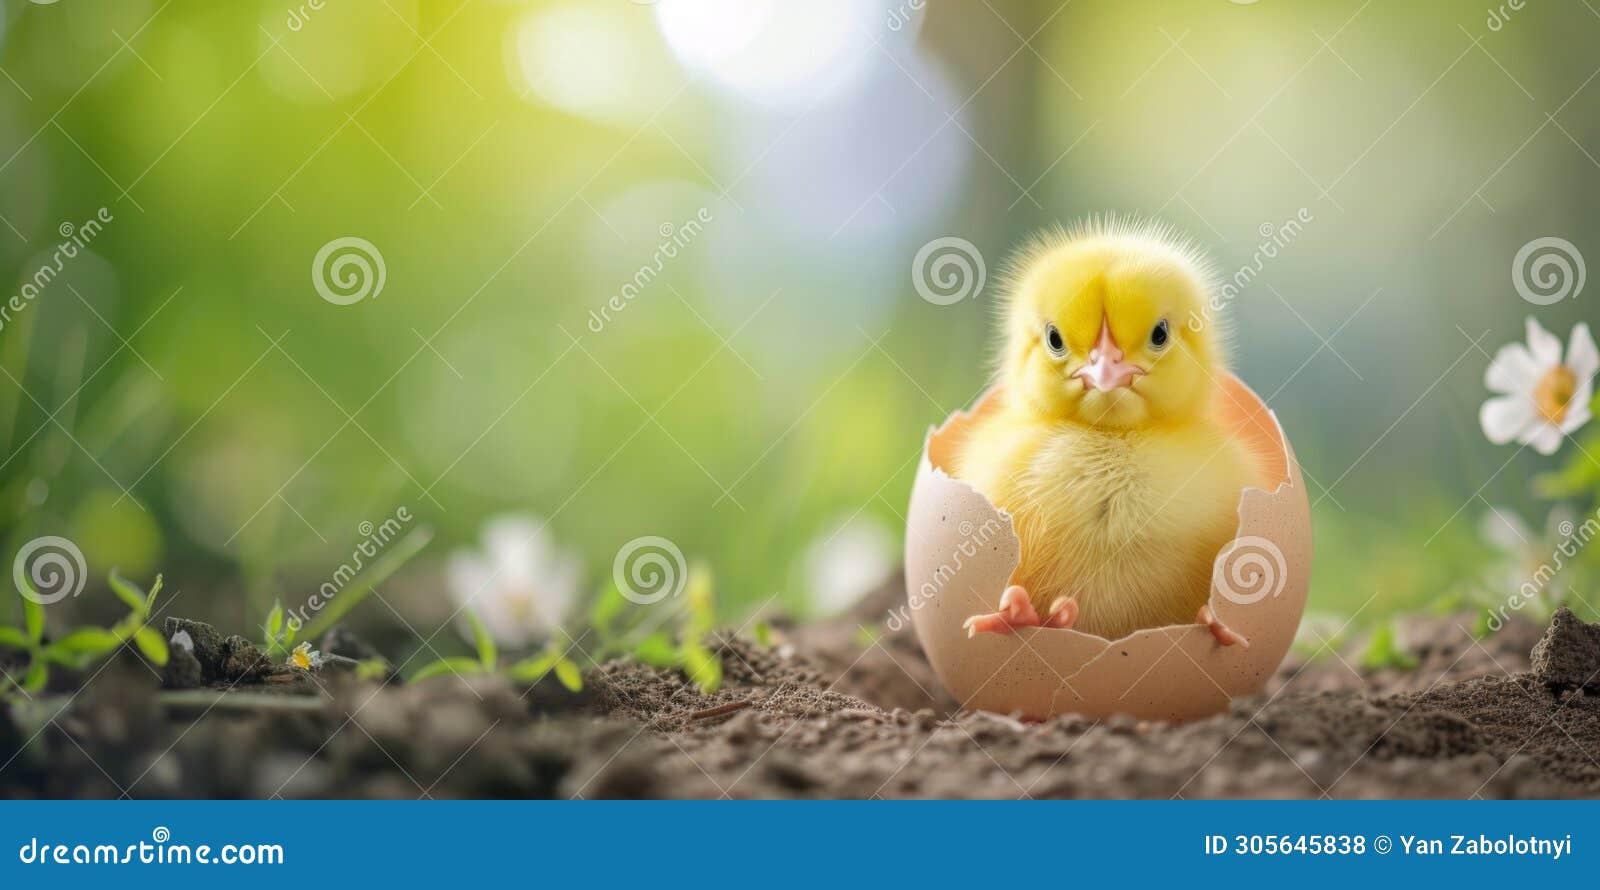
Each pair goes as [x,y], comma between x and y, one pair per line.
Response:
[32,615]
[483,642]
[128,592]
[360,587]
[458,665]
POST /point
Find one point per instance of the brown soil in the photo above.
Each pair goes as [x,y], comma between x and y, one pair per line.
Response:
[818,716]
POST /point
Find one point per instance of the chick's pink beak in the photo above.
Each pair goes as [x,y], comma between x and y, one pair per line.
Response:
[1106,370]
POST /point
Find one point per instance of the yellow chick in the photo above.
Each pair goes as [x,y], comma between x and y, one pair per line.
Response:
[1106,450]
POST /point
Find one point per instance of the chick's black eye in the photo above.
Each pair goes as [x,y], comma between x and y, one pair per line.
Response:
[1160,335]
[1052,338]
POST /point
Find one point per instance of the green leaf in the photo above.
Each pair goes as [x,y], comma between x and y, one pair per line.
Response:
[76,661]
[32,615]
[763,632]
[702,602]
[658,650]
[569,675]
[87,641]
[459,664]
[1480,626]
[1579,476]
[38,675]
[362,585]
[274,625]
[1385,651]
[532,670]
[607,606]
[152,644]
[150,598]
[488,655]
[13,638]
[372,669]
[129,593]
[702,668]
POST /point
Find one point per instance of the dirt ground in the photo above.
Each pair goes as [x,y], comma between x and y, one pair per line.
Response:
[818,715]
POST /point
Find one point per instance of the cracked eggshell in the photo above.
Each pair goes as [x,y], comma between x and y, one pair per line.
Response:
[961,551]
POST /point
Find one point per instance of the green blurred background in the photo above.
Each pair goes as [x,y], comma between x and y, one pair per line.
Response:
[516,163]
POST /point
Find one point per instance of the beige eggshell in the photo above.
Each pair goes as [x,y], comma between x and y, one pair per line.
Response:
[961,551]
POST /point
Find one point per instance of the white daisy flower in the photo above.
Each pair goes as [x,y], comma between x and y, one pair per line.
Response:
[520,584]
[849,562]
[305,658]
[1541,399]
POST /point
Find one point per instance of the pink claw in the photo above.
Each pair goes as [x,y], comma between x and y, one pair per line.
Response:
[1016,610]
[1223,634]
[1063,612]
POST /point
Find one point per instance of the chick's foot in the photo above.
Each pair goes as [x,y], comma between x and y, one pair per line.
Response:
[1063,612]
[1220,632]
[1016,610]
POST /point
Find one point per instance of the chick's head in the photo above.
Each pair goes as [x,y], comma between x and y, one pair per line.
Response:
[1109,327]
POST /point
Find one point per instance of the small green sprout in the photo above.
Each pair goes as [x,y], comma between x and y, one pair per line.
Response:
[374,669]
[1384,651]
[279,637]
[664,639]
[82,647]
[530,670]
[281,632]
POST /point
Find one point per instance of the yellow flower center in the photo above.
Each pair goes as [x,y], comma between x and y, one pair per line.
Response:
[523,605]
[1552,393]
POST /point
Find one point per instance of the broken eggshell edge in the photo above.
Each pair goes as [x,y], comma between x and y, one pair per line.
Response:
[961,551]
